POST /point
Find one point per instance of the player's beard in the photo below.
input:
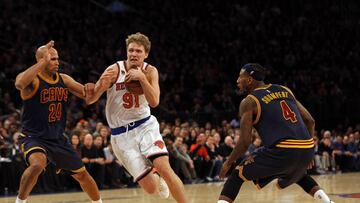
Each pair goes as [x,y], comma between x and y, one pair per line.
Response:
[245,91]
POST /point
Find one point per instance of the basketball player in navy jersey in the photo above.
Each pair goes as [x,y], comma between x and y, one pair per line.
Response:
[44,92]
[286,129]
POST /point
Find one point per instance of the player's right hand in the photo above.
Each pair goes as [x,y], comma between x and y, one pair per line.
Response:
[48,46]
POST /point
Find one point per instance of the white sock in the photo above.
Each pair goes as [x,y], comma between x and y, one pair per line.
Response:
[18,200]
[222,201]
[98,201]
[322,196]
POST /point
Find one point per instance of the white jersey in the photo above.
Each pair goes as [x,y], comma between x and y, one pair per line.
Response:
[122,107]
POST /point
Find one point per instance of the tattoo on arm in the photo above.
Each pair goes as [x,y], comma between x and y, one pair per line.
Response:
[247,108]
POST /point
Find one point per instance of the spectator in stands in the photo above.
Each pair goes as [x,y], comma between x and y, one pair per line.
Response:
[326,157]
[216,160]
[105,134]
[93,159]
[200,156]
[350,154]
[337,153]
[75,142]
[183,163]
[254,145]
[226,148]
[115,174]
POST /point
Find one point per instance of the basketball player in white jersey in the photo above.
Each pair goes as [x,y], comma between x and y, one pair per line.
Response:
[135,132]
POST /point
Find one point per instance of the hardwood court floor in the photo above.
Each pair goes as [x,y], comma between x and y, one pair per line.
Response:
[334,185]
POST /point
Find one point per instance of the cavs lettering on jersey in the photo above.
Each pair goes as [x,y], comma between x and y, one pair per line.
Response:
[278,120]
[44,110]
[122,107]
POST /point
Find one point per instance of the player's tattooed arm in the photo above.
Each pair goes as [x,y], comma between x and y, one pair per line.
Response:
[247,110]
[246,119]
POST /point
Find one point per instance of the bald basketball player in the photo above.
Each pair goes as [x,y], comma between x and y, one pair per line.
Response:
[44,92]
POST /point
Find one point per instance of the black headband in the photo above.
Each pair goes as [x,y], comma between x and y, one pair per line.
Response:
[251,69]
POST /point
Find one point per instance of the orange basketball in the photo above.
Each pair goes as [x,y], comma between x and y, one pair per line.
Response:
[134,87]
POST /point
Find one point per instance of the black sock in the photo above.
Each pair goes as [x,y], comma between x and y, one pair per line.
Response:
[232,185]
[307,183]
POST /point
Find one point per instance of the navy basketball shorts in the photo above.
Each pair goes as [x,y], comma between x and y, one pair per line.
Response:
[59,152]
[266,164]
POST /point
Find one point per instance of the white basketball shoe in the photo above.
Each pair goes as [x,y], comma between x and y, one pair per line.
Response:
[164,191]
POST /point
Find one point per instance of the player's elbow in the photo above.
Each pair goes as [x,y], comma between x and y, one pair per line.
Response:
[310,121]
[154,102]
[19,85]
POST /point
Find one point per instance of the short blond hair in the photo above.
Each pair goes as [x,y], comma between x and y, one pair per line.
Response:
[141,39]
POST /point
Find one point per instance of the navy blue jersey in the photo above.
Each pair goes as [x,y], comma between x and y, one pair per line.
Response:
[44,111]
[278,120]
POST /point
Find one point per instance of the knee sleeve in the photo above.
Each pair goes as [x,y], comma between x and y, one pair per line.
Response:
[232,185]
[307,183]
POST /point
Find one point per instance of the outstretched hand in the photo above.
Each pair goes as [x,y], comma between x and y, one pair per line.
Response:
[45,49]
[50,44]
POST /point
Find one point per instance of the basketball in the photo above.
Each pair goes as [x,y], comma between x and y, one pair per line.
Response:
[134,87]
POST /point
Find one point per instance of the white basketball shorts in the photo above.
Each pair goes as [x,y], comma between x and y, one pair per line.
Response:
[134,147]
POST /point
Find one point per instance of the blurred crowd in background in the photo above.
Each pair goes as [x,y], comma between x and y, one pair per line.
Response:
[198,48]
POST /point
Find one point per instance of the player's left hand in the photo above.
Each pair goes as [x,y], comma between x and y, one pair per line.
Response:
[225,168]
[134,74]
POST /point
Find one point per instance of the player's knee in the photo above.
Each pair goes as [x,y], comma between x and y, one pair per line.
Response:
[163,167]
[149,183]
[151,189]
[81,176]
[165,172]
[37,167]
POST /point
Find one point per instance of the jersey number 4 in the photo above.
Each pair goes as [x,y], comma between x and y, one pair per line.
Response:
[288,114]
[130,100]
